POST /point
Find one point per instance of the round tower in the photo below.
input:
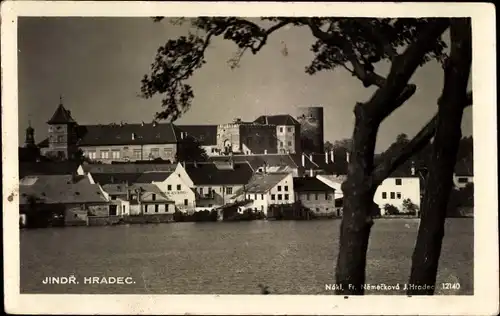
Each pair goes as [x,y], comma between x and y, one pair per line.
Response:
[311,121]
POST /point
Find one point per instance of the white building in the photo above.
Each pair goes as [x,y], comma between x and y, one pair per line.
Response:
[267,189]
[173,186]
[392,191]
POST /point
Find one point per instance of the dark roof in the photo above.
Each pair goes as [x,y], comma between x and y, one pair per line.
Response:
[464,167]
[153,176]
[60,189]
[47,168]
[109,178]
[282,119]
[44,143]
[309,184]
[61,116]
[206,135]
[261,183]
[127,167]
[257,161]
[126,134]
[208,173]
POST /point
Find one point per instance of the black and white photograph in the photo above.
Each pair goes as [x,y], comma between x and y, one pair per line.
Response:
[289,156]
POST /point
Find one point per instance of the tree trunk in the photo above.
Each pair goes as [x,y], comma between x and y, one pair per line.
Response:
[445,148]
[358,200]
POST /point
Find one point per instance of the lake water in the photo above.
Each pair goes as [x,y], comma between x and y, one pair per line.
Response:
[290,257]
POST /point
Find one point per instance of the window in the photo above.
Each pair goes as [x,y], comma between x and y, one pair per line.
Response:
[273,197]
[317,209]
[123,209]
[281,144]
[463,180]
[156,208]
[279,197]
[229,190]
[398,195]
[286,197]
[169,187]
[285,188]
[289,143]
[104,154]
[281,129]
[185,202]
[60,139]
[167,152]
[326,196]
[113,197]
[145,208]
[201,191]
[92,154]
[115,154]
[279,187]
[398,181]
[153,197]
[392,195]
[256,197]
[155,152]
[262,196]
[178,187]
[289,129]
[384,195]
[316,196]
[137,153]
[307,196]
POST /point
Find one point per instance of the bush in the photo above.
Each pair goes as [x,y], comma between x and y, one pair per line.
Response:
[410,207]
[391,209]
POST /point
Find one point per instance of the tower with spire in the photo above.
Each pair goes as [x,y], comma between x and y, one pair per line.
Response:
[62,133]
[29,140]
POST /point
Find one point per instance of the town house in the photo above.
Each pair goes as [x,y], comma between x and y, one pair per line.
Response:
[316,196]
[148,199]
[215,183]
[266,189]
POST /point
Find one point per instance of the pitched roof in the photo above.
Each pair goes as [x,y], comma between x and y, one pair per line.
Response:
[128,168]
[464,167]
[206,135]
[126,134]
[308,184]
[257,161]
[43,144]
[208,173]
[153,176]
[47,168]
[60,189]
[281,119]
[61,116]
[261,183]
[109,178]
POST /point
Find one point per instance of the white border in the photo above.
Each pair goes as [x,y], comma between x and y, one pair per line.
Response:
[486,283]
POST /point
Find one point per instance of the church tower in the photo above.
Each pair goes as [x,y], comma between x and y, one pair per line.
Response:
[62,133]
[29,140]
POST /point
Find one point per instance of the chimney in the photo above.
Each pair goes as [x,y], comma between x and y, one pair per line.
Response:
[142,124]
[332,158]
[311,173]
[326,157]
[195,164]
[303,160]
[265,151]
[264,168]
[182,135]
[154,123]
[412,169]
[133,136]
[347,157]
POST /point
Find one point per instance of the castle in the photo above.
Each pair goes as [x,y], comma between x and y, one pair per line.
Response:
[268,134]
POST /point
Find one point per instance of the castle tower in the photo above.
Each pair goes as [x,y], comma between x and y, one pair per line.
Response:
[311,129]
[62,133]
[29,140]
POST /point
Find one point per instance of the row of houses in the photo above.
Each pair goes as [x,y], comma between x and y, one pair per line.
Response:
[126,189]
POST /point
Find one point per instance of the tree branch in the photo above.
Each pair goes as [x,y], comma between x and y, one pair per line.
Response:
[390,164]
[268,32]
[379,38]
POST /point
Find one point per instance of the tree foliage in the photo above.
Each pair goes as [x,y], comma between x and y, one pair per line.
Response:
[178,59]
[190,150]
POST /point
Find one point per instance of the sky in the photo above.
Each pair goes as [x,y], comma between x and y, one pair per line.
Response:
[96,65]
